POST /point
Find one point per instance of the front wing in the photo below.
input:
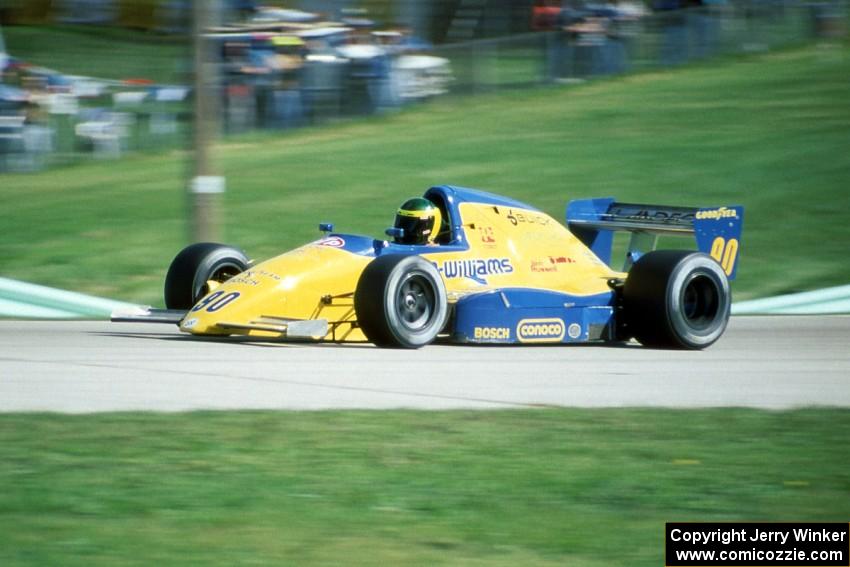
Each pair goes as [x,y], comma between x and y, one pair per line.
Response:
[278,327]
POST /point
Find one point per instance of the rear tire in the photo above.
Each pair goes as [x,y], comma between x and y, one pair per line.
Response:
[194,266]
[401,301]
[676,299]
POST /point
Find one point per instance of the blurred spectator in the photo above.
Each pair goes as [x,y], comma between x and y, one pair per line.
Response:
[287,66]
[324,72]
[690,29]
[595,39]
[240,10]
[545,15]
[174,16]
[829,19]
[34,103]
[629,25]
[672,20]
[99,131]
[36,135]
[259,77]
[86,11]
[13,103]
[240,110]
[707,23]
[368,82]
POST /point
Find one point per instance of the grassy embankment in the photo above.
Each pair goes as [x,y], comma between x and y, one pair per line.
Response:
[770,132]
[545,487]
[102,51]
[537,487]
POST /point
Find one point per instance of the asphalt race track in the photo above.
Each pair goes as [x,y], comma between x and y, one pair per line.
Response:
[72,366]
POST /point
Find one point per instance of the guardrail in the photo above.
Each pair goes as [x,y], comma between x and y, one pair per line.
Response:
[29,301]
[833,300]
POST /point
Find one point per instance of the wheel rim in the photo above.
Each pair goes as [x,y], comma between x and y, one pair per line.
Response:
[220,274]
[415,301]
[700,301]
[225,272]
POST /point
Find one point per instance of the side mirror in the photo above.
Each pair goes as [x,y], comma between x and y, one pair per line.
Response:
[396,233]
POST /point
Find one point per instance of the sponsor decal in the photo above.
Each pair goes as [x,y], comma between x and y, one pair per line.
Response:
[574,331]
[266,274]
[527,218]
[550,264]
[245,278]
[543,266]
[725,253]
[488,236]
[253,278]
[477,270]
[500,333]
[631,213]
[189,323]
[216,301]
[540,330]
[332,241]
[717,214]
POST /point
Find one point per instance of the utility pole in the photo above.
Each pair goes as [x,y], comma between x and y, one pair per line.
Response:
[415,14]
[205,187]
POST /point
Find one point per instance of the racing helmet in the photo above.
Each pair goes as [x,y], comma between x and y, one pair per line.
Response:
[420,219]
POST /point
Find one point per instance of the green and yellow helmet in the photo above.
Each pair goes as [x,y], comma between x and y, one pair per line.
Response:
[420,220]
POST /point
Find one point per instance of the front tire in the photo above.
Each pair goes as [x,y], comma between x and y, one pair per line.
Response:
[677,299]
[401,301]
[195,266]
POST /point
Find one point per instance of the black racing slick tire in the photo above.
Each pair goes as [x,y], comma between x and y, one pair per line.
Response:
[401,301]
[197,264]
[676,299]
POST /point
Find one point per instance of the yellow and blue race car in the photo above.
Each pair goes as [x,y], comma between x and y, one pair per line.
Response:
[467,266]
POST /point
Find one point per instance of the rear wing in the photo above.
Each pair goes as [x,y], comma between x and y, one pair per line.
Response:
[717,230]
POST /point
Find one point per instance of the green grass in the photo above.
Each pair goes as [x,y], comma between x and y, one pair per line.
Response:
[101,51]
[540,487]
[770,132]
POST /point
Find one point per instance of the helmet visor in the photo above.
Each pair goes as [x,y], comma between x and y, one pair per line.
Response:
[416,229]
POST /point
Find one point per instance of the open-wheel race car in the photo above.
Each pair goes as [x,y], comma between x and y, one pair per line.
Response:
[466,266]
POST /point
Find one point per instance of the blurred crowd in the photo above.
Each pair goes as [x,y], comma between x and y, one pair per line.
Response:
[284,78]
[285,68]
[44,112]
[598,38]
[601,37]
[594,37]
[278,68]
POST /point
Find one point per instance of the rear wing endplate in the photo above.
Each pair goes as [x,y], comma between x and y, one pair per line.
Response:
[717,230]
